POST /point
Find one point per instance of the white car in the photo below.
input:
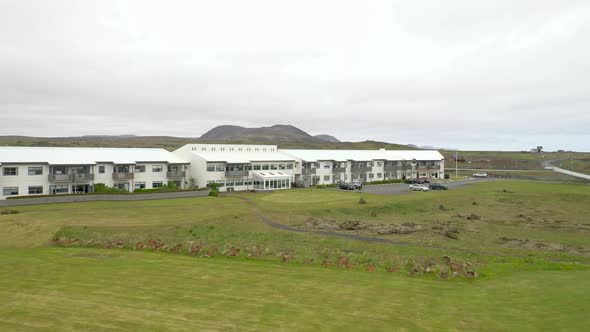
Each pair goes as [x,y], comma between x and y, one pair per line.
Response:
[418,187]
[480,175]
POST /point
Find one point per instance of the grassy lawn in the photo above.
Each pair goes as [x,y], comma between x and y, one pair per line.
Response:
[529,246]
[116,290]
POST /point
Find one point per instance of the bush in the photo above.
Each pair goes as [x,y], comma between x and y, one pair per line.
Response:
[384,181]
[214,189]
[9,212]
[362,201]
[103,188]
[332,185]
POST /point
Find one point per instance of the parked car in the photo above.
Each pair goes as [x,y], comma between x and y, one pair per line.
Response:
[418,187]
[417,181]
[437,186]
[346,186]
[358,184]
[480,175]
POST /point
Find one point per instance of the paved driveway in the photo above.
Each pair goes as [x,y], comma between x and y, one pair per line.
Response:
[402,188]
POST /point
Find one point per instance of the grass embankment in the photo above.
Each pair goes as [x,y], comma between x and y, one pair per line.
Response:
[528,242]
[580,165]
[529,175]
[509,160]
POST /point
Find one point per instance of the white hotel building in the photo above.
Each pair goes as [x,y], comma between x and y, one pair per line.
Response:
[50,170]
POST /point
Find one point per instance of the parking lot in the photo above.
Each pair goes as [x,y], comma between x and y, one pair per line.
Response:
[402,188]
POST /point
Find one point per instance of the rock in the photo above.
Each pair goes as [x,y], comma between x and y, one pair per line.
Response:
[473,216]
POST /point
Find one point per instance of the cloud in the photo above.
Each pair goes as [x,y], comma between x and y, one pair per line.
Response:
[467,74]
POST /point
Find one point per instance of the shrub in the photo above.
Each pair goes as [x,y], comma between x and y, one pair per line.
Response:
[9,212]
[362,201]
[214,189]
[326,185]
[103,188]
[384,181]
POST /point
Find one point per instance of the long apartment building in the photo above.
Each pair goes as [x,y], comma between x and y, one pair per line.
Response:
[56,170]
[52,171]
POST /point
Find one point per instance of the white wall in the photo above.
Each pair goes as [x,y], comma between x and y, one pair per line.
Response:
[23,180]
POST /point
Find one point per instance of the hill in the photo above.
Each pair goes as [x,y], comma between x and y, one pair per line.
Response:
[327,138]
[276,133]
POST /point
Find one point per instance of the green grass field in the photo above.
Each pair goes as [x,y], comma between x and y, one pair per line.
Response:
[528,245]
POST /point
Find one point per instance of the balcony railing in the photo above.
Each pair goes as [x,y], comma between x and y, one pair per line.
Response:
[236,173]
[338,169]
[83,177]
[176,174]
[123,176]
[390,168]
[60,177]
[361,169]
[308,171]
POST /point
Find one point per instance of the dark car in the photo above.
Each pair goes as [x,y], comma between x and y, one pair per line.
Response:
[437,186]
[346,186]
[418,181]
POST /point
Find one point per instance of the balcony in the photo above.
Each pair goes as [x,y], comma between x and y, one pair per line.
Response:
[60,177]
[123,176]
[83,177]
[230,174]
[176,174]
[308,171]
[338,169]
[361,169]
[390,168]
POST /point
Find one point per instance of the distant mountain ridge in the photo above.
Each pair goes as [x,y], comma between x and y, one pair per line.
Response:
[285,136]
[276,133]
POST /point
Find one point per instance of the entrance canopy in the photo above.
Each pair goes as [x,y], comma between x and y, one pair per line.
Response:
[271,180]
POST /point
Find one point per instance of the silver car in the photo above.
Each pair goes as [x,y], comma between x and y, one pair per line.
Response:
[418,187]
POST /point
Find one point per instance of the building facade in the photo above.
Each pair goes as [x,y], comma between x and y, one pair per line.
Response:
[234,167]
[51,171]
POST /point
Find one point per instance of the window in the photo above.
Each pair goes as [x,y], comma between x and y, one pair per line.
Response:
[139,185]
[289,166]
[157,168]
[399,163]
[35,190]
[101,169]
[326,165]
[274,166]
[265,167]
[326,178]
[379,164]
[378,175]
[369,164]
[282,166]
[221,183]
[10,191]
[157,184]
[371,175]
[220,168]
[35,170]
[239,183]
[140,169]
[256,167]
[210,168]
[59,189]
[10,171]
[387,175]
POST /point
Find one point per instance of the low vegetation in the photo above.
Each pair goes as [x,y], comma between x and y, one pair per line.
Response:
[491,256]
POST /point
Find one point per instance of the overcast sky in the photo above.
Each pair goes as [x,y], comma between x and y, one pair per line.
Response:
[502,75]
